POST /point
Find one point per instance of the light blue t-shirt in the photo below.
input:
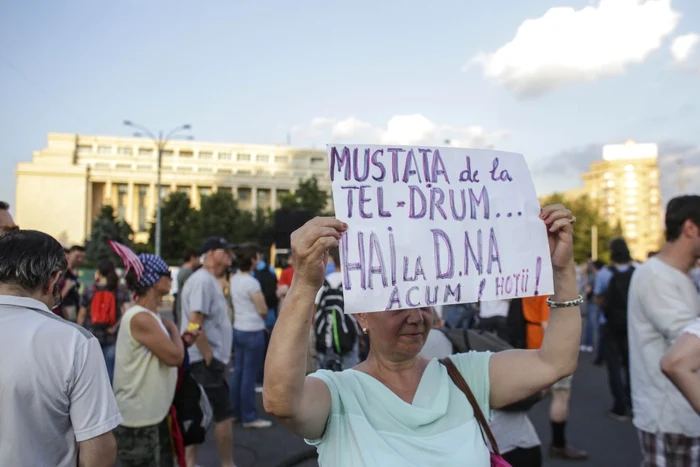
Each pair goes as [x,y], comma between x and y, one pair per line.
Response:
[371,426]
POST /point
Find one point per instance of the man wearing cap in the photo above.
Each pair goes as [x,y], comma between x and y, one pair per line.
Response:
[204,304]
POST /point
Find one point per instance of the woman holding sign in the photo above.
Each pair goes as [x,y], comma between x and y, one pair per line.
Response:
[397,408]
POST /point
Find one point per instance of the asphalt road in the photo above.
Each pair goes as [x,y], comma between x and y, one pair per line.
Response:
[610,443]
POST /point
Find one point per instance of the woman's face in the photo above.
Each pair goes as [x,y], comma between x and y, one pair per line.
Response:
[163,285]
[400,334]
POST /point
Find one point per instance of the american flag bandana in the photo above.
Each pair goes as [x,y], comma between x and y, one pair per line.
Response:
[131,261]
[148,268]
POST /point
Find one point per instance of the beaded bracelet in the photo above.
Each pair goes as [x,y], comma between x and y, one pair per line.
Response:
[567,304]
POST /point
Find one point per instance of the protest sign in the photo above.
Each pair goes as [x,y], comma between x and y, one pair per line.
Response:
[436,226]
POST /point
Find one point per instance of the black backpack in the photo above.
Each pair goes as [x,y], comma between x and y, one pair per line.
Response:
[615,299]
[268,285]
[334,330]
[516,324]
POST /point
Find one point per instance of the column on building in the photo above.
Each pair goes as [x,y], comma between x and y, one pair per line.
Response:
[195,199]
[129,214]
[109,195]
[273,198]
[152,199]
[254,198]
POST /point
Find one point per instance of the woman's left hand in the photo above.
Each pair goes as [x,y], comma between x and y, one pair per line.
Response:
[560,231]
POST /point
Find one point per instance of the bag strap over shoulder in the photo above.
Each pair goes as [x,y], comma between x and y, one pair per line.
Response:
[459,381]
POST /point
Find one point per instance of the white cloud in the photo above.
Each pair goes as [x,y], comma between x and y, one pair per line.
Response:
[567,45]
[686,52]
[400,130]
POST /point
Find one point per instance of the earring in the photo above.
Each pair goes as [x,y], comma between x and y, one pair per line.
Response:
[364,330]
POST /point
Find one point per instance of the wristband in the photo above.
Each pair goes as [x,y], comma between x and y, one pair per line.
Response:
[192,326]
[568,304]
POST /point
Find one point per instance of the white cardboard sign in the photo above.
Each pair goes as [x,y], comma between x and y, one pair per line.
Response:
[436,226]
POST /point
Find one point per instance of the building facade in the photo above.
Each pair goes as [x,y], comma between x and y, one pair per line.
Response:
[63,188]
[625,184]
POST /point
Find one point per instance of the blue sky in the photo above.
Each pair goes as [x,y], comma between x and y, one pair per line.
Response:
[555,81]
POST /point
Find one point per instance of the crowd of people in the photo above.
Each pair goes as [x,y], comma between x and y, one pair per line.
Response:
[98,373]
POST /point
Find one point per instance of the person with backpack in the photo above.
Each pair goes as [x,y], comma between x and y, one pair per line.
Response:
[101,308]
[266,275]
[335,333]
[611,290]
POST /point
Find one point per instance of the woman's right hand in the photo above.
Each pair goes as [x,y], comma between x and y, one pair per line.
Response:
[310,246]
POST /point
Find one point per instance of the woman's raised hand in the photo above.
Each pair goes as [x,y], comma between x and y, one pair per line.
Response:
[560,230]
[310,246]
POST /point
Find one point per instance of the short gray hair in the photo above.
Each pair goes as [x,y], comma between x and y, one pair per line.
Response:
[28,259]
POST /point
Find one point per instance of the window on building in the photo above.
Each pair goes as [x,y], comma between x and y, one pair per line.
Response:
[142,209]
[281,159]
[124,151]
[168,153]
[317,161]
[224,156]
[184,168]
[102,165]
[204,191]
[124,166]
[244,172]
[104,149]
[225,171]
[166,168]
[262,158]
[263,195]
[206,155]
[184,189]
[205,169]
[121,201]
[164,192]
[243,157]
[144,167]
[145,151]
[186,153]
[244,194]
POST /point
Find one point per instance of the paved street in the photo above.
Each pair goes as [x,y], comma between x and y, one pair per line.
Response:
[610,443]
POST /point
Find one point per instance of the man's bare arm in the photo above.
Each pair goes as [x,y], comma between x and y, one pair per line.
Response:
[100,451]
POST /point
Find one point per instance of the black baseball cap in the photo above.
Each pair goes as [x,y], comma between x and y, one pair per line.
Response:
[216,243]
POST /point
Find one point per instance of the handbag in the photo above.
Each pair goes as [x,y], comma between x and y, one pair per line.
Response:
[458,380]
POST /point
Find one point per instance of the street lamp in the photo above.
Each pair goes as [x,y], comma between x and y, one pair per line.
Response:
[160,143]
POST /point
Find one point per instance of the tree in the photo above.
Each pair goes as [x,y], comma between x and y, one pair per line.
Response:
[107,226]
[587,215]
[219,216]
[179,227]
[308,196]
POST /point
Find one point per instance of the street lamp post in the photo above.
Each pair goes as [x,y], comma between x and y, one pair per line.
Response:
[160,143]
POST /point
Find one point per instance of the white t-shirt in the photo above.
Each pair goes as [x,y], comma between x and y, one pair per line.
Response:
[54,388]
[245,313]
[494,308]
[437,345]
[662,302]
[693,328]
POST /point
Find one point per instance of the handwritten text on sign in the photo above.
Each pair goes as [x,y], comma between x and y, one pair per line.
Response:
[436,226]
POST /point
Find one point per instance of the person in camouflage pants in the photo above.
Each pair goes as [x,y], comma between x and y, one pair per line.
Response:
[149,446]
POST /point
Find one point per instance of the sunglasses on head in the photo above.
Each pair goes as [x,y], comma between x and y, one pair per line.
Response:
[165,273]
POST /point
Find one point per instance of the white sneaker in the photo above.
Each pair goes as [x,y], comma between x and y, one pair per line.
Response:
[259,423]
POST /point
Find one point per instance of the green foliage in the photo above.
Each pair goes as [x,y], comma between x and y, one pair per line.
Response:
[180,223]
[308,196]
[587,214]
[106,226]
